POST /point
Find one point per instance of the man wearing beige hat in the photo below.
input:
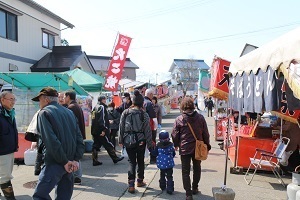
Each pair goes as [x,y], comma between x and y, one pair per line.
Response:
[64,146]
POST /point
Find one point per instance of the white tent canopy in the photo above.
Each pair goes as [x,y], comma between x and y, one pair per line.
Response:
[278,54]
[127,83]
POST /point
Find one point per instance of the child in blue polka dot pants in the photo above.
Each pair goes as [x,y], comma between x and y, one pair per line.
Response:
[165,152]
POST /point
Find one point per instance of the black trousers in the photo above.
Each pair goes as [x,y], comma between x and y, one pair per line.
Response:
[154,134]
[104,141]
[186,168]
[113,134]
[163,183]
[136,157]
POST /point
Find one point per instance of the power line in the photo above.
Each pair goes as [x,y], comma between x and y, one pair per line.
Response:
[155,13]
[219,37]
[214,39]
[162,12]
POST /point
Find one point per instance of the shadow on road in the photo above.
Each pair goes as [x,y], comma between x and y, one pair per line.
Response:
[23,197]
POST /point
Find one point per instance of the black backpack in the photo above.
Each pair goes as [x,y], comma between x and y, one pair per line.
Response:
[135,136]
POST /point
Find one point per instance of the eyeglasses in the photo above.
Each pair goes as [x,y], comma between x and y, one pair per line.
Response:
[12,100]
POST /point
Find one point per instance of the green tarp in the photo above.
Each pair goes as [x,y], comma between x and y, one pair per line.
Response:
[35,81]
[80,81]
[88,81]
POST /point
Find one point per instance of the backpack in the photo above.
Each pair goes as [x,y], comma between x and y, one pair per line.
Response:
[134,123]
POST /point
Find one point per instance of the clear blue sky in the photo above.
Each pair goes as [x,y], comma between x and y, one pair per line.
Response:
[163,30]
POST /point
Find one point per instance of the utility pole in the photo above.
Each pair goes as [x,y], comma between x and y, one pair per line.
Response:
[156,78]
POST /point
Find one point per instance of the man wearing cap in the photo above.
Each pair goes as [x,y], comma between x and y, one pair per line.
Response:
[100,131]
[8,142]
[125,104]
[64,146]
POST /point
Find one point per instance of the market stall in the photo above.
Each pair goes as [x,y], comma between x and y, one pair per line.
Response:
[26,85]
[258,84]
[219,90]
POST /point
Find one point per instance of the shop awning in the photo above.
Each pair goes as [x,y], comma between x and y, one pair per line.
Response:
[278,54]
[35,81]
[255,84]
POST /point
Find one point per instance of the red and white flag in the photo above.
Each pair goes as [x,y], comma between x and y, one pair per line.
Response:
[116,64]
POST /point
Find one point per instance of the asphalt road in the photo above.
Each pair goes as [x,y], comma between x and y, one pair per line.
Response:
[109,181]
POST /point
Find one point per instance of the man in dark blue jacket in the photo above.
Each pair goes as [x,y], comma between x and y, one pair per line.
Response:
[64,146]
[8,142]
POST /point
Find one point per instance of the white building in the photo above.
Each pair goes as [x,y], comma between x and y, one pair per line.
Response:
[28,32]
[185,74]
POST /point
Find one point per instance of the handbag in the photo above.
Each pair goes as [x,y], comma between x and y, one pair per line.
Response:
[31,137]
[31,133]
[201,152]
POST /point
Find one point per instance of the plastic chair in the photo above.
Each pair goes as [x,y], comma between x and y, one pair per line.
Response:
[268,159]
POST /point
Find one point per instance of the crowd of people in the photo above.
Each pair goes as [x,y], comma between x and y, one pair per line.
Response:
[60,130]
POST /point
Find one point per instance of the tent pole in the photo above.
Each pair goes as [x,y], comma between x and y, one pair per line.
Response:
[216,119]
[112,51]
[281,122]
[58,84]
[12,84]
[226,146]
[236,157]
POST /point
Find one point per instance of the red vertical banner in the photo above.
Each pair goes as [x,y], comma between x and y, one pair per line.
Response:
[116,64]
[219,78]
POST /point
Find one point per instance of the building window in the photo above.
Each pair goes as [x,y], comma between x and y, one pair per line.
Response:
[48,40]
[8,25]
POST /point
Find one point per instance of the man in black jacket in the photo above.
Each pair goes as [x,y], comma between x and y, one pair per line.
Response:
[210,105]
[70,100]
[100,132]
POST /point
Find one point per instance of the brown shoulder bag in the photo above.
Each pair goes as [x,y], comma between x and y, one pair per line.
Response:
[201,152]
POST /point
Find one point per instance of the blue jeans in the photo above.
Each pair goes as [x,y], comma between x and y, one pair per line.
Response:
[51,176]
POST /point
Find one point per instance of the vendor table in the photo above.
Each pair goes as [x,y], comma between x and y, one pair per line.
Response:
[246,149]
